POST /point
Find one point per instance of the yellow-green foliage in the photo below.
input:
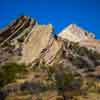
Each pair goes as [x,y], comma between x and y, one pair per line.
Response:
[8,72]
[61,76]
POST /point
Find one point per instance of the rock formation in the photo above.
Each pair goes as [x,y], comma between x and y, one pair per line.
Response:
[36,41]
[75,34]
[26,41]
[12,36]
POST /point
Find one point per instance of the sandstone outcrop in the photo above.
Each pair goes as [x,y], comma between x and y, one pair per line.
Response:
[26,41]
[75,34]
[51,61]
[12,37]
[84,38]
[37,40]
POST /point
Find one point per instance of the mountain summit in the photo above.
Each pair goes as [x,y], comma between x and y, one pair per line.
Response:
[75,34]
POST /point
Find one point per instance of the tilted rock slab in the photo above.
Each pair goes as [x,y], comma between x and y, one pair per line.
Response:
[38,40]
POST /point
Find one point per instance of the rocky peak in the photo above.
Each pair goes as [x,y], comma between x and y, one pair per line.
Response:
[30,40]
[14,30]
[75,33]
[50,57]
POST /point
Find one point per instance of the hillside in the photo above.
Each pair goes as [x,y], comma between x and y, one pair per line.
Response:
[35,64]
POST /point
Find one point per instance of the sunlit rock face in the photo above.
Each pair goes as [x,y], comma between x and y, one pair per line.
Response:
[50,53]
[75,33]
[84,38]
[25,40]
[49,57]
[37,40]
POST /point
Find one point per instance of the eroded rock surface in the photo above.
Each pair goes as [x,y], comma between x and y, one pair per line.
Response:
[39,39]
[75,34]
[50,58]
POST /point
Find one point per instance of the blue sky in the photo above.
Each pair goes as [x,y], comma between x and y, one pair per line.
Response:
[85,13]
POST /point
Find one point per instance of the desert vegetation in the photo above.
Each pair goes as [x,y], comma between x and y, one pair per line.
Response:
[10,71]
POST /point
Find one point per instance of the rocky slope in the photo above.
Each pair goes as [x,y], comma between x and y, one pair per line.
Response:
[12,36]
[27,40]
[76,34]
[47,59]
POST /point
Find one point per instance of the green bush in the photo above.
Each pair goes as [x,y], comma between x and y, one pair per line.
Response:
[61,76]
[8,72]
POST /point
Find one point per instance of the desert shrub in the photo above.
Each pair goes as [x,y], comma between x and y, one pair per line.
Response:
[40,66]
[94,55]
[63,80]
[8,72]
[51,71]
[39,98]
[83,51]
[61,76]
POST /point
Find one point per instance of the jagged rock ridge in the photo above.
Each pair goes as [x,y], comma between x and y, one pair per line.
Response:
[12,37]
[26,41]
